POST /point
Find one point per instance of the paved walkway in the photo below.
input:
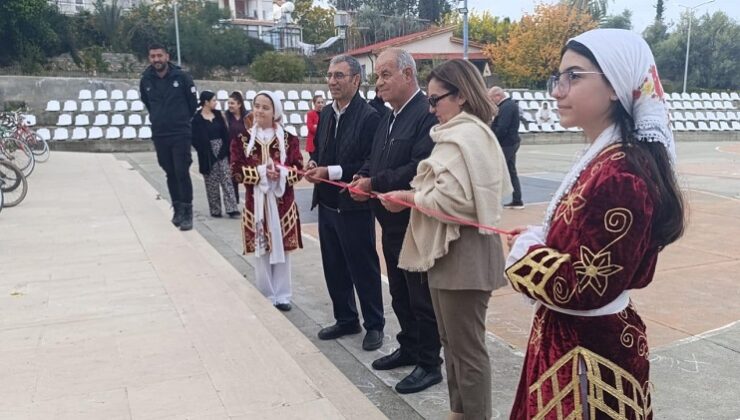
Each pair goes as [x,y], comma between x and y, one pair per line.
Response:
[691,309]
[108,312]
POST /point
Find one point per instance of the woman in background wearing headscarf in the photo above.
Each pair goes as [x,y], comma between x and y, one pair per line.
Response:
[210,138]
[270,225]
[616,209]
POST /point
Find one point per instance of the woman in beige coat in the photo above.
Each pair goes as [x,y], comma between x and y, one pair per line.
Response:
[465,176]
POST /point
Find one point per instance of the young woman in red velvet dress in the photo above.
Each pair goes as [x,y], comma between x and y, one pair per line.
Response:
[618,207]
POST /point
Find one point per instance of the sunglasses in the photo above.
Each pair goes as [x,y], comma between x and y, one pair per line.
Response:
[434,100]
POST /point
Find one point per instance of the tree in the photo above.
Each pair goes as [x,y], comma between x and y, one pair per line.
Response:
[107,20]
[31,31]
[713,62]
[317,23]
[532,50]
[596,8]
[433,10]
[621,21]
[659,10]
[482,27]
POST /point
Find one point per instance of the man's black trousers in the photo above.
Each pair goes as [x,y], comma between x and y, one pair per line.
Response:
[412,303]
[173,155]
[351,263]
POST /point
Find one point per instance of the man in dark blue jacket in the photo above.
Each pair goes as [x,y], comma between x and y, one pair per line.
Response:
[170,97]
[401,142]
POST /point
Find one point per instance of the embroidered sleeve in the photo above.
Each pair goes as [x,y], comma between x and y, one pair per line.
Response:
[588,260]
[243,168]
[294,160]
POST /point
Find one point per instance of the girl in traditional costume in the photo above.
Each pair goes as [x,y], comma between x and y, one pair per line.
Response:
[260,160]
[617,208]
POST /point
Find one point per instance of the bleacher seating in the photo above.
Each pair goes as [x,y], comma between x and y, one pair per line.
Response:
[120,114]
[44,133]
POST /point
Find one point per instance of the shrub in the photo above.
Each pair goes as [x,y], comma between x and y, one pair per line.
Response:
[278,67]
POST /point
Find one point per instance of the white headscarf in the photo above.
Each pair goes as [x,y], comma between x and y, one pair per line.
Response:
[629,66]
[278,125]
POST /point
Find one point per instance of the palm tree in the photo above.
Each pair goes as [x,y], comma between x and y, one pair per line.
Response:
[596,8]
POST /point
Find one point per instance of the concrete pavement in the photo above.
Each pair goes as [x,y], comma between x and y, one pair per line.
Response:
[108,312]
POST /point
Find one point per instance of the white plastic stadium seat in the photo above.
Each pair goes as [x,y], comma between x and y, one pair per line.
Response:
[522,129]
[304,131]
[222,95]
[70,106]
[677,116]
[101,94]
[685,96]
[319,92]
[728,105]
[101,120]
[736,125]
[700,116]
[306,95]
[288,106]
[247,106]
[64,120]
[121,106]
[132,95]
[79,133]
[95,133]
[295,119]
[371,94]
[29,119]
[81,120]
[116,95]
[702,126]
[715,96]
[516,95]
[129,133]
[145,133]
[104,106]
[280,95]
[290,129]
[135,119]
[87,106]
[527,96]
[678,126]
[695,97]
[60,134]
[293,95]
[117,119]
[705,95]
[734,96]
[53,106]
[112,133]
[539,96]
[84,95]
[137,106]
[690,116]
[303,106]
[532,127]
[249,95]
[218,106]
[714,126]
[724,96]
[690,126]
[44,133]
[724,126]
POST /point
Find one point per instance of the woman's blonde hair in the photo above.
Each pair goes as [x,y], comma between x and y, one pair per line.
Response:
[462,78]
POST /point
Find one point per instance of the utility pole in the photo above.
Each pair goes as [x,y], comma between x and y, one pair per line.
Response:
[690,11]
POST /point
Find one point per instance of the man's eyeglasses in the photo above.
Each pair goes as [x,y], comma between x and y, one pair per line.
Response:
[560,82]
[434,100]
[338,76]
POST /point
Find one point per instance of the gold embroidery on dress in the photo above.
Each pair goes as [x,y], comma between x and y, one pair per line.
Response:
[605,382]
[250,176]
[595,268]
[569,205]
[290,219]
[544,262]
[631,335]
[535,337]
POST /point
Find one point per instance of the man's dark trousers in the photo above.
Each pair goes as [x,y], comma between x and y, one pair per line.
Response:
[350,261]
[173,155]
[510,155]
[412,303]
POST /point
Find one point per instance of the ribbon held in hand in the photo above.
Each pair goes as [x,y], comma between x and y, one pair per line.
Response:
[428,212]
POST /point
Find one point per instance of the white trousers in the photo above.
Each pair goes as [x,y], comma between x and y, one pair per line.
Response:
[273,280]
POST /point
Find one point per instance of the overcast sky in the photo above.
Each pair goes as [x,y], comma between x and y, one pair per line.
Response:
[643,11]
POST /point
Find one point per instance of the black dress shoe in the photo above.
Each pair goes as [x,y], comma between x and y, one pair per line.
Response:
[373,340]
[285,307]
[336,331]
[394,360]
[234,214]
[419,379]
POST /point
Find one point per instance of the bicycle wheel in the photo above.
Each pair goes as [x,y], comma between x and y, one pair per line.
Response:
[39,147]
[19,154]
[13,184]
